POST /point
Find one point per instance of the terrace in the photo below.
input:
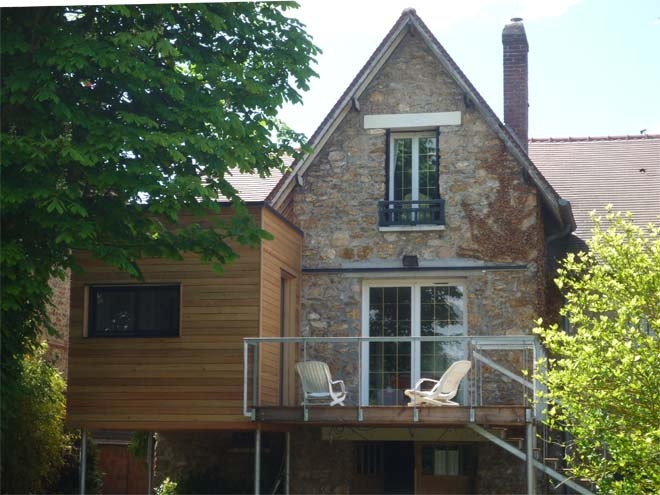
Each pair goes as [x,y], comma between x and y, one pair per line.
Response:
[376,370]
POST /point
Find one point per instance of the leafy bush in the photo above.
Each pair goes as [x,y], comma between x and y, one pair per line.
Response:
[33,437]
[604,377]
[167,487]
[68,479]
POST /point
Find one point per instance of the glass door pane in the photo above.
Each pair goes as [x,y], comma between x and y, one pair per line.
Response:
[389,362]
[428,170]
[441,314]
[403,165]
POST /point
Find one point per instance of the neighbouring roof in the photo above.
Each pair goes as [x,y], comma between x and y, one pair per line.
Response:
[591,172]
[251,187]
[410,21]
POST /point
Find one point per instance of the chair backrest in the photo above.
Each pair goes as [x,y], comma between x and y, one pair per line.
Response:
[315,376]
[451,378]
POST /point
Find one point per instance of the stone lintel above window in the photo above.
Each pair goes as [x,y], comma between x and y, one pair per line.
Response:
[400,121]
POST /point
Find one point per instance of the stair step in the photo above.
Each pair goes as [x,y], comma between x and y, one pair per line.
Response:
[517,441]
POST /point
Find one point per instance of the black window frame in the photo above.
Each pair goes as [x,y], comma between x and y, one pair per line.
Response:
[407,213]
[93,332]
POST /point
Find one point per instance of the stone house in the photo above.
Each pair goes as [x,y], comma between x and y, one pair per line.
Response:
[418,232]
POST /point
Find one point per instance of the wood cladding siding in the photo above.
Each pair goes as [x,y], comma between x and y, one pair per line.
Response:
[195,380]
[280,277]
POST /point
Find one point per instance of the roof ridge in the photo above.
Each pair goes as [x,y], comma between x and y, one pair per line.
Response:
[571,139]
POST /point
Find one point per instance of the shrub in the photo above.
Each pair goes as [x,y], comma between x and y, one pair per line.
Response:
[33,436]
[167,487]
[68,477]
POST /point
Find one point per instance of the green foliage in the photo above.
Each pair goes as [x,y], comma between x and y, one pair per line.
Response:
[167,487]
[604,377]
[138,445]
[117,119]
[68,477]
[32,448]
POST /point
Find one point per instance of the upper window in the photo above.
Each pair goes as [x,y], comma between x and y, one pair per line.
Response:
[413,168]
[134,311]
[412,189]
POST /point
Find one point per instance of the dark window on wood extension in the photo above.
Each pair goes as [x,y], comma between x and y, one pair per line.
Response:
[134,311]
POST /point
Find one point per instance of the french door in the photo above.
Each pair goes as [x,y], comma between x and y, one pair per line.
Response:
[414,309]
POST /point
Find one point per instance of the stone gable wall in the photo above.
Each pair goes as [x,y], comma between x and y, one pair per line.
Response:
[491,213]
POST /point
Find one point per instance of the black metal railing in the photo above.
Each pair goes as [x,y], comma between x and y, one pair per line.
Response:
[427,212]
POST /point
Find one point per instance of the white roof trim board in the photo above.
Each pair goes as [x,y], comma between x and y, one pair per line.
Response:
[409,20]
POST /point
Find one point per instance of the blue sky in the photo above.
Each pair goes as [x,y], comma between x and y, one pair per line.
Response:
[594,64]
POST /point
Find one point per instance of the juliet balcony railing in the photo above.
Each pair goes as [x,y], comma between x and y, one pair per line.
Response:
[377,370]
[411,213]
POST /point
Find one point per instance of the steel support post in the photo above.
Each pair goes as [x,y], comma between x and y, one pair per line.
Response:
[287,465]
[531,474]
[257,462]
[150,462]
[83,459]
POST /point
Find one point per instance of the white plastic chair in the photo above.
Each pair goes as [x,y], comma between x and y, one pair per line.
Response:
[444,389]
[318,385]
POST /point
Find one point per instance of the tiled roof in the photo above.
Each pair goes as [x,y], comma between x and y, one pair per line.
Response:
[251,187]
[591,172]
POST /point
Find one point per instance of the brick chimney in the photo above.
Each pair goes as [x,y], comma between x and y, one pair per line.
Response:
[516,103]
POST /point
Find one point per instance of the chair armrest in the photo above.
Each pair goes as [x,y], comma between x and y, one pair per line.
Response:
[422,380]
[341,384]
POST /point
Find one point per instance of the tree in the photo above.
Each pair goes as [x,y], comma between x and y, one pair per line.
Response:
[603,380]
[114,121]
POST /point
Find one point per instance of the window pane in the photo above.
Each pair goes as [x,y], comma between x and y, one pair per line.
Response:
[114,312]
[389,362]
[403,169]
[134,311]
[442,310]
[428,170]
[158,310]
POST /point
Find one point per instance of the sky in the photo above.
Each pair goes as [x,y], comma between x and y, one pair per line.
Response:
[594,65]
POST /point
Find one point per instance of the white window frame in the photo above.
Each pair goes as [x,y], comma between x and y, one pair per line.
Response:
[415,325]
[415,136]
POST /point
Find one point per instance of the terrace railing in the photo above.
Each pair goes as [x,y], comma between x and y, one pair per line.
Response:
[500,375]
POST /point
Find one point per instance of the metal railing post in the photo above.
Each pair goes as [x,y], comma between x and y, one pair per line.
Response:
[150,461]
[255,377]
[359,374]
[246,351]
